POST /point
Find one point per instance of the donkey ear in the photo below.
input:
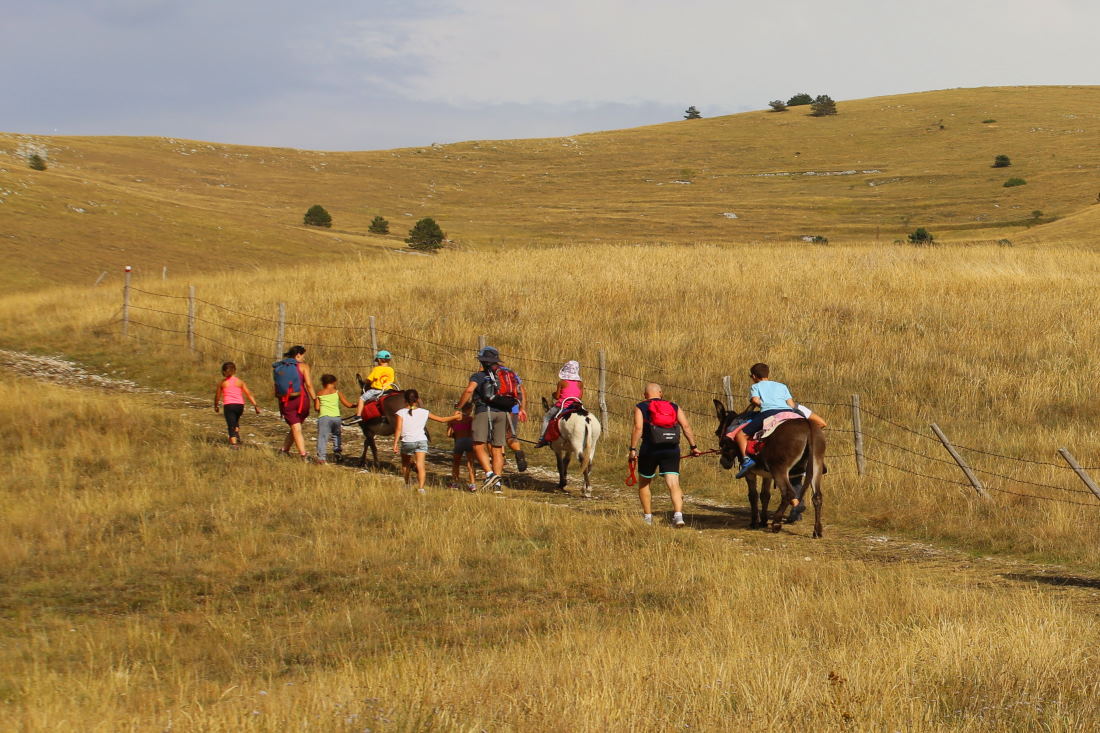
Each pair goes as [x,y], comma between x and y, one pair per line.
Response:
[720,409]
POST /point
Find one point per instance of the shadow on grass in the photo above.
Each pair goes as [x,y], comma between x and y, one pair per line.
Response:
[1057,580]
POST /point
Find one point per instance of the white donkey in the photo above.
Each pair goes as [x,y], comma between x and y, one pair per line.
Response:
[580,431]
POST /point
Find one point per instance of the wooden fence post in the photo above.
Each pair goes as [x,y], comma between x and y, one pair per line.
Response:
[959,460]
[191,317]
[373,338]
[1081,473]
[281,333]
[482,340]
[126,303]
[603,388]
[727,387]
[164,273]
[857,436]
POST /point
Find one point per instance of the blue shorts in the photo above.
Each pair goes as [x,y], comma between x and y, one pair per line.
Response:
[417,446]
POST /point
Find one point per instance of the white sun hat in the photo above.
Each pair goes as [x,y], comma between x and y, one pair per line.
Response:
[570,370]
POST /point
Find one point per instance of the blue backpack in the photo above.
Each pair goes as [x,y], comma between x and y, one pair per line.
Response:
[288,379]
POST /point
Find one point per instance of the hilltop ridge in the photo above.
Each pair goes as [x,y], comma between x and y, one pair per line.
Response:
[874,172]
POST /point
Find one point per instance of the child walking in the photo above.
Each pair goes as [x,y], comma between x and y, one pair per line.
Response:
[462,431]
[327,403]
[411,439]
[230,395]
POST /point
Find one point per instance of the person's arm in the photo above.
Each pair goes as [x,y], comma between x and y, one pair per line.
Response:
[449,419]
[218,396]
[307,380]
[397,434]
[688,433]
[343,400]
[636,434]
[791,403]
[466,395]
[522,403]
[248,394]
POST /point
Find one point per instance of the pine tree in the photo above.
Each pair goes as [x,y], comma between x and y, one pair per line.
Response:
[691,113]
[36,162]
[823,105]
[317,217]
[778,105]
[800,99]
[426,235]
[378,225]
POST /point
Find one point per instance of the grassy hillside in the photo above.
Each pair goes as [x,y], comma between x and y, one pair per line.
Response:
[876,171]
[153,580]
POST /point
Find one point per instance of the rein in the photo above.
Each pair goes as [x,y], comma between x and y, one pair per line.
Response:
[631,466]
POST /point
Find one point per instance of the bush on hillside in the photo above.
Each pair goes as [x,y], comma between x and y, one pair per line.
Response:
[1014,182]
[425,235]
[921,236]
[316,216]
[989,121]
[1002,161]
[691,113]
[36,162]
[823,105]
[1037,214]
[778,105]
[800,99]
[379,225]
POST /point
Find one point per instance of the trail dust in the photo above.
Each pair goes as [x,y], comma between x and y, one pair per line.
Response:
[538,484]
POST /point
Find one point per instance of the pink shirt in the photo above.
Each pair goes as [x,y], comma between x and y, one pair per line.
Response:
[231,392]
[570,388]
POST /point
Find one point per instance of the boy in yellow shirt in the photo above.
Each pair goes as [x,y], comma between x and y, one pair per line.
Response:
[380,379]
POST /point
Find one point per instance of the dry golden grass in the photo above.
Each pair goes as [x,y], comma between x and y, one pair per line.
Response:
[998,345]
[199,207]
[155,580]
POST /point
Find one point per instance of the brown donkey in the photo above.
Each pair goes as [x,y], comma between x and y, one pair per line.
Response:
[383,426]
[796,446]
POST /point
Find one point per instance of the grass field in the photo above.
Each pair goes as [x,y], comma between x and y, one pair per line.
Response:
[195,207]
[150,585]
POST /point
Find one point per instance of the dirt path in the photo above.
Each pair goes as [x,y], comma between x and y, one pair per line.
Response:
[539,484]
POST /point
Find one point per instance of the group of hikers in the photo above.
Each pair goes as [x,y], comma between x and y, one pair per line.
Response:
[485,416]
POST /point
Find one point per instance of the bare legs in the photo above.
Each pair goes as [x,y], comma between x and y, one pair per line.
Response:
[407,463]
[294,437]
[481,452]
[672,481]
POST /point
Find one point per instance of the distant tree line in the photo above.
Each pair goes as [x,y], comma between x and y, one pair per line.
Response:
[425,235]
[820,106]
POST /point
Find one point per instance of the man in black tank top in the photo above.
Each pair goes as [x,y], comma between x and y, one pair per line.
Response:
[652,458]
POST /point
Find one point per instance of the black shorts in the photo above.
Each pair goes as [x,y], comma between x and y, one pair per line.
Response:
[663,460]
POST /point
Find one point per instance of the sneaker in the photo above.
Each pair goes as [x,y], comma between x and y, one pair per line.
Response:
[490,480]
[521,461]
[498,485]
[746,466]
[678,520]
[321,461]
[472,488]
[647,518]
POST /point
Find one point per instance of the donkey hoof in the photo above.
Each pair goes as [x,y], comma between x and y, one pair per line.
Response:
[776,526]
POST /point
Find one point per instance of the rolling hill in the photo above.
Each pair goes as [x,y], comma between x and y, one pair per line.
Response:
[872,173]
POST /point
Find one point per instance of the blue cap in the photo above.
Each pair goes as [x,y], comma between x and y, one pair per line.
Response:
[383,354]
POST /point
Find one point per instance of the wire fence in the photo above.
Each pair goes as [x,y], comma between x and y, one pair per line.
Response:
[446,367]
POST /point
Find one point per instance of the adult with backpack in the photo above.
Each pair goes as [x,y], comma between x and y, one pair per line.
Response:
[494,391]
[655,448]
[294,390]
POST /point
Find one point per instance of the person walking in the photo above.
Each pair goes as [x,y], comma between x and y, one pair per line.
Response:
[463,452]
[327,403]
[411,439]
[230,394]
[655,448]
[294,390]
[494,391]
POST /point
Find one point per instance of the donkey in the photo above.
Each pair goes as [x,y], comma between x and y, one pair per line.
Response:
[792,443]
[580,431]
[384,426]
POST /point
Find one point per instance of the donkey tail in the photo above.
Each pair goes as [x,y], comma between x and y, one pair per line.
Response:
[582,454]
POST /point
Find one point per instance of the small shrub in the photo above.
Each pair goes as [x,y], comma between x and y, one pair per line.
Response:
[1004,242]
[691,113]
[36,162]
[988,122]
[778,105]
[800,99]
[1014,182]
[1002,161]
[316,216]
[921,236]
[1037,214]
[379,225]
[425,235]
[823,105]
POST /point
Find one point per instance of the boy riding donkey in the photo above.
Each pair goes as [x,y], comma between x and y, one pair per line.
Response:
[770,398]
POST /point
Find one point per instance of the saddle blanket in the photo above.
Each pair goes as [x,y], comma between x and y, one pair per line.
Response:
[774,421]
[553,430]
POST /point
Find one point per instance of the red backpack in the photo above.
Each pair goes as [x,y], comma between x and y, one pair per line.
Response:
[662,413]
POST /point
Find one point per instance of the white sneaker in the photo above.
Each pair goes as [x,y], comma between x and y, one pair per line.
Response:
[498,485]
[678,520]
[647,518]
[490,480]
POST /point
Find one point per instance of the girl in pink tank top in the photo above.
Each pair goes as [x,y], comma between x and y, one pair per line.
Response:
[229,396]
[570,388]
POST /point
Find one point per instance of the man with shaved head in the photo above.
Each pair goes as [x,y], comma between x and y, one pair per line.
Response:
[655,448]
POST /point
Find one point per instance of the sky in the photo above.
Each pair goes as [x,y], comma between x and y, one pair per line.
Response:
[375,74]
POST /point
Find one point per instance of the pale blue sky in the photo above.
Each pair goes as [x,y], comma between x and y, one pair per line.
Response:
[339,74]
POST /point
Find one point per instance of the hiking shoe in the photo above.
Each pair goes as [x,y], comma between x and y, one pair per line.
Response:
[678,520]
[746,466]
[647,518]
[490,481]
[472,488]
[498,485]
[521,461]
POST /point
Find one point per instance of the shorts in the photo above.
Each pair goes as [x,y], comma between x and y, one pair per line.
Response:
[491,426]
[417,446]
[295,410]
[664,460]
[463,445]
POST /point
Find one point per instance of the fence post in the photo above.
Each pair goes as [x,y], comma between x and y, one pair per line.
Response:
[99,279]
[727,387]
[191,317]
[482,340]
[857,435]
[1081,473]
[126,303]
[373,338]
[164,273]
[603,388]
[281,333]
[959,460]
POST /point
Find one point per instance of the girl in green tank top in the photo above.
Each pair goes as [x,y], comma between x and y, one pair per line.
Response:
[327,403]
